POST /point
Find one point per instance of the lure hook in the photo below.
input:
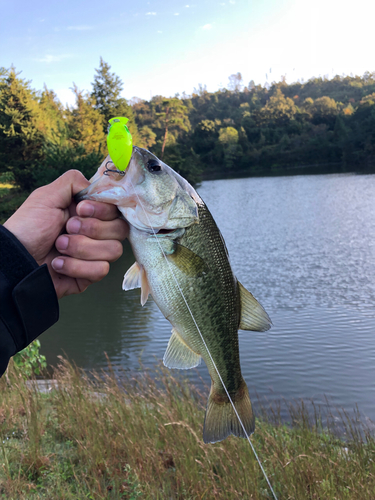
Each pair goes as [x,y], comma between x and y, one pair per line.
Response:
[107,170]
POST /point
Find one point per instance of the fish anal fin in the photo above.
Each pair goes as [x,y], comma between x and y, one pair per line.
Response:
[136,277]
[221,420]
[253,316]
[179,355]
[187,261]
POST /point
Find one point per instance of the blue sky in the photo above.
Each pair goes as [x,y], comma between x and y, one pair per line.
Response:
[167,47]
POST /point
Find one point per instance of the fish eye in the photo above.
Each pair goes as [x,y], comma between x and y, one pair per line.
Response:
[153,166]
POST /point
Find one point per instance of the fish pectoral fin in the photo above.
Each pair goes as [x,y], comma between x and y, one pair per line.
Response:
[187,261]
[145,287]
[179,355]
[135,277]
[132,278]
[253,316]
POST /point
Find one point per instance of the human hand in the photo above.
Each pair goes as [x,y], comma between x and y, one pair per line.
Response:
[94,231]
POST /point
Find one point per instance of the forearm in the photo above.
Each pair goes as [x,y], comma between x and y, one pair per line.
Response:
[28,301]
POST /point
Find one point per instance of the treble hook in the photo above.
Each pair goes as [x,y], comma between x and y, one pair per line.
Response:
[107,170]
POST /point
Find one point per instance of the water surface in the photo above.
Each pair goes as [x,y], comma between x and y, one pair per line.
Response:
[304,246]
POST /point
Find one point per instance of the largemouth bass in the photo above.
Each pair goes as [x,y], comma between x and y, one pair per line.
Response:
[181,258]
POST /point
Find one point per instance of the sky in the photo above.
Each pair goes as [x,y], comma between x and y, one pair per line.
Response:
[164,47]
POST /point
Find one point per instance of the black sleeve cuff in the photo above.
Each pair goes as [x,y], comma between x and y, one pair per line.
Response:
[28,301]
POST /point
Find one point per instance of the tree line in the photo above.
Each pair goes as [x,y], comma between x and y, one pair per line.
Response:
[316,126]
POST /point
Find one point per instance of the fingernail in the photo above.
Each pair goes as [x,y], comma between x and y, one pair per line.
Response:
[57,264]
[62,242]
[85,209]
[73,226]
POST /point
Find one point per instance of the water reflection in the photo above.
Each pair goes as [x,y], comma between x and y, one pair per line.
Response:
[104,319]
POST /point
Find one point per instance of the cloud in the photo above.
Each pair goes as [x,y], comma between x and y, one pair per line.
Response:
[150,13]
[81,27]
[159,32]
[187,6]
[207,27]
[176,14]
[232,2]
[48,58]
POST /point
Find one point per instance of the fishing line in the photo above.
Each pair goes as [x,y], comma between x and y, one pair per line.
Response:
[204,342]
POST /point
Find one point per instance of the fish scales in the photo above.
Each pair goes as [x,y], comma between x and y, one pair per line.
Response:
[174,236]
[212,297]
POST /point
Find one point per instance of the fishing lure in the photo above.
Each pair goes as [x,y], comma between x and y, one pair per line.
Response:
[119,143]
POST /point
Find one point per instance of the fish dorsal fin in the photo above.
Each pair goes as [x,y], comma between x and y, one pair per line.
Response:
[253,316]
[179,355]
[187,261]
[135,277]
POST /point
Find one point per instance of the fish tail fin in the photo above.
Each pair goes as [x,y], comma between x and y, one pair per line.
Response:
[221,419]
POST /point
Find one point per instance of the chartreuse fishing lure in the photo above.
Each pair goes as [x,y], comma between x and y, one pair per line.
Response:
[119,142]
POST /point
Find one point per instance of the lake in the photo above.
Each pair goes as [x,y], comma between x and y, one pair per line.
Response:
[305,247]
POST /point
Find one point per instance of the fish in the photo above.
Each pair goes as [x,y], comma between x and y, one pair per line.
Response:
[182,262]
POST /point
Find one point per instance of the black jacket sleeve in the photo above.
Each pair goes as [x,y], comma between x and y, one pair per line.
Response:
[28,301]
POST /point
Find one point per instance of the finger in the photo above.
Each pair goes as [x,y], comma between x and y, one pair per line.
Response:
[61,191]
[96,229]
[81,269]
[81,247]
[97,209]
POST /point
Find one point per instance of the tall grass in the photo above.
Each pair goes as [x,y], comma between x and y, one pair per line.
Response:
[100,437]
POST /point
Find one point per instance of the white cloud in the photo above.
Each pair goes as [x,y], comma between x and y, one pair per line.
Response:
[207,27]
[176,14]
[82,27]
[187,6]
[150,13]
[48,58]
[159,32]
[232,1]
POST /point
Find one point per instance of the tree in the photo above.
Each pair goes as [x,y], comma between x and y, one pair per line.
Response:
[147,137]
[172,118]
[324,111]
[85,123]
[21,128]
[228,138]
[106,94]
[107,88]
[279,109]
[235,82]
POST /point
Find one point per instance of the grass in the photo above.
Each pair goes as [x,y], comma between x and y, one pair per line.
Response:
[99,437]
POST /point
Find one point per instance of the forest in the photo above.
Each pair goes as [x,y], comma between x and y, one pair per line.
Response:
[319,126]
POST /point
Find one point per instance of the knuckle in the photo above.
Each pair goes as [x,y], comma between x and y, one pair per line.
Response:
[91,228]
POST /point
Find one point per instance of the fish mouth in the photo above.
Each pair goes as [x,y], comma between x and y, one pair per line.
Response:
[82,195]
[165,231]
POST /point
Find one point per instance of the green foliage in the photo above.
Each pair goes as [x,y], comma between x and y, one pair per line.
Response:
[61,158]
[21,131]
[29,361]
[171,119]
[106,97]
[318,126]
[85,124]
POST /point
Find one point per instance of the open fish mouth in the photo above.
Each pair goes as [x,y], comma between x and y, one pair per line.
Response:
[165,231]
